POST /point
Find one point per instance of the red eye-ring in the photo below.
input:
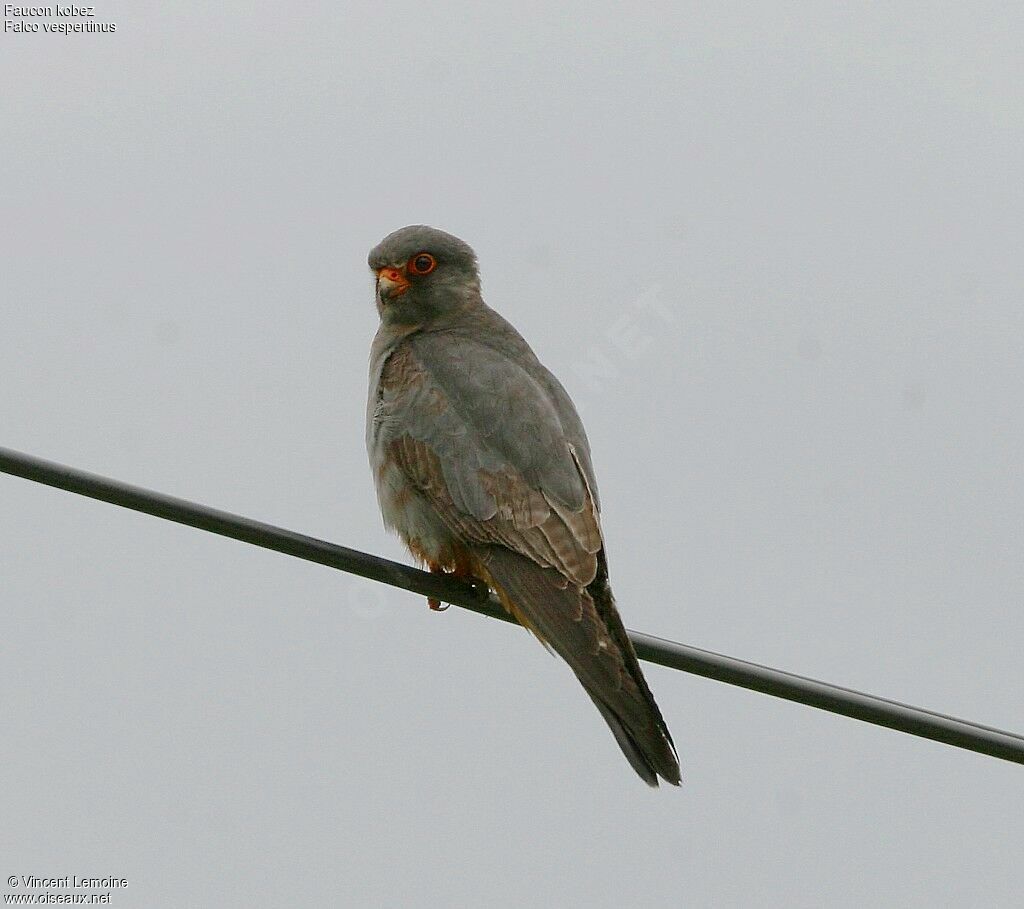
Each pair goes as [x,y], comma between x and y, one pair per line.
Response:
[422,264]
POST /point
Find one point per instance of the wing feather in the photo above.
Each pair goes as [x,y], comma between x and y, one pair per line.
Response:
[457,448]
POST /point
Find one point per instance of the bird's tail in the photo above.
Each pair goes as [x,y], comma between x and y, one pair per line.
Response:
[583,626]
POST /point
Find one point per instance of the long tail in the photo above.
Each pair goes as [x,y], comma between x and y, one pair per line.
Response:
[583,626]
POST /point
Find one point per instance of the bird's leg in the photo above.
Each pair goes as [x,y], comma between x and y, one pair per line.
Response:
[433,602]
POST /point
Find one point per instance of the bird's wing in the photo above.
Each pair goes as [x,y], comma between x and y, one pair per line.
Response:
[480,438]
[483,442]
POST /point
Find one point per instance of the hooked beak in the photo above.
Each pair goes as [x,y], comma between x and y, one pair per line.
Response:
[391,283]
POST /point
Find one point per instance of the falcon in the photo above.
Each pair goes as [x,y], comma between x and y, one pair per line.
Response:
[483,468]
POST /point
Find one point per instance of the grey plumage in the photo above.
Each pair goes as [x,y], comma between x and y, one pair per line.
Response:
[482,466]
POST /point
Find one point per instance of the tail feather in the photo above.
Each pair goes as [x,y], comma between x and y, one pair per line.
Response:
[584,628]
[634,754]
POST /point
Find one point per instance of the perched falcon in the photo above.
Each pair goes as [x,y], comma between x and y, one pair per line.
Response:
[483,468]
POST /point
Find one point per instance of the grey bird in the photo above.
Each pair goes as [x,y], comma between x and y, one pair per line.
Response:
[483,469]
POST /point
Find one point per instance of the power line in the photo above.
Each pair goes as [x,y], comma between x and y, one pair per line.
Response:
[845,701]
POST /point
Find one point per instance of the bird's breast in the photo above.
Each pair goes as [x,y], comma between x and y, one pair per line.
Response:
[403,506]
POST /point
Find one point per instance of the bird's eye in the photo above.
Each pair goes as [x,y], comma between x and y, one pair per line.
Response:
[422,264]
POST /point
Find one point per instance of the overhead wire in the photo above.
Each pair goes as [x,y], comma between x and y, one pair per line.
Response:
[868,708]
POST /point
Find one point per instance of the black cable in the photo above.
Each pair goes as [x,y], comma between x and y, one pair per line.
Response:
[880,711]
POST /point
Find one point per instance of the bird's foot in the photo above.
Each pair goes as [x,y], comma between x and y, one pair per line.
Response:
[433,603]
[463,572]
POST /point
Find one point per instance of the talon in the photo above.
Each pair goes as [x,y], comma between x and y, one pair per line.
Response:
[433,602]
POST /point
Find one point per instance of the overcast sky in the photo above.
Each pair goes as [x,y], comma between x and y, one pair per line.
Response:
[774,253]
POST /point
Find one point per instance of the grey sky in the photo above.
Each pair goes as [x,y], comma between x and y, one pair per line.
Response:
[811,458]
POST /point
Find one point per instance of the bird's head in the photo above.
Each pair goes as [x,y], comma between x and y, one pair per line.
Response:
[423,274]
